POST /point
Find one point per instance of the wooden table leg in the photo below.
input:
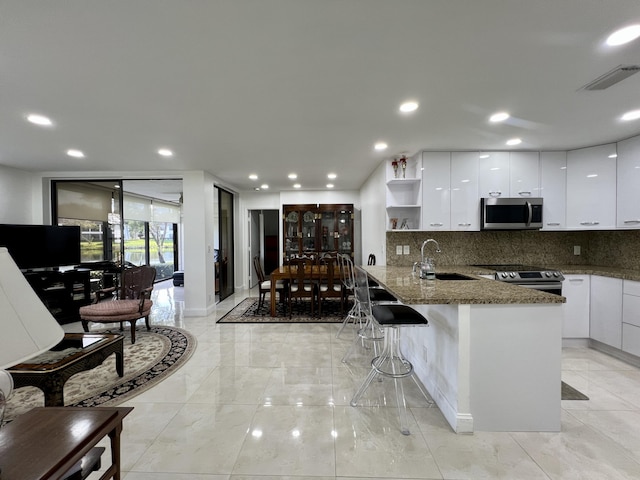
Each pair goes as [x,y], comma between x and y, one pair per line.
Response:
[273,297]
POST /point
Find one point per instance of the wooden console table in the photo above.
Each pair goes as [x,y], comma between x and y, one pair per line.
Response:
[46,442]
[78,352]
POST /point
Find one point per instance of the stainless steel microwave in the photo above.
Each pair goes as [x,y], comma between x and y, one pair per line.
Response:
[510,213]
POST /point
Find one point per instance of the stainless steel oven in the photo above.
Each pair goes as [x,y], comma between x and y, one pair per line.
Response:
[528,276]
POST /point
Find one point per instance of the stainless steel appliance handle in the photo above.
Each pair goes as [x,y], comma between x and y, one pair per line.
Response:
[529,213]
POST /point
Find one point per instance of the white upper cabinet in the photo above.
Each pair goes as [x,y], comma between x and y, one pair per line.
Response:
[553,189]
[436,181]
[628,215]
[493,178]
[591,188]
[465,203]
[524,174]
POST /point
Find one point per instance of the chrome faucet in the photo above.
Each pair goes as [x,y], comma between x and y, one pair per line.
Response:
[425,243]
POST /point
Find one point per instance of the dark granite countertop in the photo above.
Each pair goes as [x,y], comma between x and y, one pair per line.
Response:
[409,289]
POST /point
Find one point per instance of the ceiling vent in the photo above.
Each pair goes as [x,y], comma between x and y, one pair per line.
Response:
[612,77]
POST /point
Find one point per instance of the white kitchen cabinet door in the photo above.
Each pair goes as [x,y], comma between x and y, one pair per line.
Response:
[628,214]
[524,174]
[606,310]
[436,181]
[553,189]
[575,289]
[493,174]
[465,202]
[631,317]
[591,188]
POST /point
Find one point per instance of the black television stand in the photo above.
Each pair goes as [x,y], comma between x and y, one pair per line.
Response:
[63,293]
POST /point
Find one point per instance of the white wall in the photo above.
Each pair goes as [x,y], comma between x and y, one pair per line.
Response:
[374,229]
[198,218]
[18,201]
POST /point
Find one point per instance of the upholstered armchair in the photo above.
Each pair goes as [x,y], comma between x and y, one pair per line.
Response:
[133,303]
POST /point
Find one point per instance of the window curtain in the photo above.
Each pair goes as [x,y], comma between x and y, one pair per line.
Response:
[83,202]
[148,210]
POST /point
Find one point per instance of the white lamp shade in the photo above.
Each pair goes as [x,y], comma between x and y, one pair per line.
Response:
[27,328]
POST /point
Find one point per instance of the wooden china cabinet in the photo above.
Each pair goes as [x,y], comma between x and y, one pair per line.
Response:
[317,228]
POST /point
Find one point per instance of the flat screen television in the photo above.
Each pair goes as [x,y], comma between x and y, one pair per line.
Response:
[41,246]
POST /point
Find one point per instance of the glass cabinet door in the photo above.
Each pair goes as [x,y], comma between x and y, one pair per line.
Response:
[291,230]
[309,231]
[345,232]
[328,232]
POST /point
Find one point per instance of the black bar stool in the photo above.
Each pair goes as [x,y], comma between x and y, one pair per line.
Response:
[391,363]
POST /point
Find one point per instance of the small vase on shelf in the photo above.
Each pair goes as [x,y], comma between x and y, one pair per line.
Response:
[394,164]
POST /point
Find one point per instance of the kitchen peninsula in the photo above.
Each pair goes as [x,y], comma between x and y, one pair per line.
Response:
[491,356]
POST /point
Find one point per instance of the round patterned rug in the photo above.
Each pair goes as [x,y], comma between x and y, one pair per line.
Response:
[155,355]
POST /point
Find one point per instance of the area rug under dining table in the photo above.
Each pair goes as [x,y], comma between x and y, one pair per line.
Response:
[247,311]
[155,355]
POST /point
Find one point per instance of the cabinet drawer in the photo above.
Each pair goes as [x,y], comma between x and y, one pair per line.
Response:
[631,339]
[631,310]
[631,288]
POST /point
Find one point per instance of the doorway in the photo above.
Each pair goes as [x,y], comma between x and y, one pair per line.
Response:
[264,241]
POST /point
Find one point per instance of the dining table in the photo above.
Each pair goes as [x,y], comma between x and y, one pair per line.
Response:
[315,272]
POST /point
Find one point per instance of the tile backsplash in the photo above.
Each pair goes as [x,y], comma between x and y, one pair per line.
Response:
[619,248]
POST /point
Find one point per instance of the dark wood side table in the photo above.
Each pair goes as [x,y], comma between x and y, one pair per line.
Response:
[50,374]
[45,442]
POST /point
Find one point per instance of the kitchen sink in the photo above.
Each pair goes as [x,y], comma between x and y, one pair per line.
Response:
[452,276]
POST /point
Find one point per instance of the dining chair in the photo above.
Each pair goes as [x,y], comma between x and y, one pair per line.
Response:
[264,285]
[301,284]
[329,285]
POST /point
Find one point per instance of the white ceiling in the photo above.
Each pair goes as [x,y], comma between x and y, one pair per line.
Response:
[308,86]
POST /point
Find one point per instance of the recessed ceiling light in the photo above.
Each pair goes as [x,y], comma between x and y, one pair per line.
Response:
[292,176]
[75,153]
[613,155]
[498,117]
[407,107]
[264,186]
[296,185]
[494,168]
[329,185]
[332,176]
[165,152]
[632,115]
[624,35]
[257,188]
[514,141]
[380,146]
[485,155]
[253,176]
[39,120]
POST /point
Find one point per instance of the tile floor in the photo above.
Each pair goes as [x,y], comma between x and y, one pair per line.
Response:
[272,401]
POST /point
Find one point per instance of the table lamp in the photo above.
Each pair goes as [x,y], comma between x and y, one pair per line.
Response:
[27,328]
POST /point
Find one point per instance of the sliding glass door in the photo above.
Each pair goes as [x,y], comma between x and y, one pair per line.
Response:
[225,244]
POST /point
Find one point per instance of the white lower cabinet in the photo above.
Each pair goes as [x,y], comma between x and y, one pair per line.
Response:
[575,289]
[631,317]
[606,310]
